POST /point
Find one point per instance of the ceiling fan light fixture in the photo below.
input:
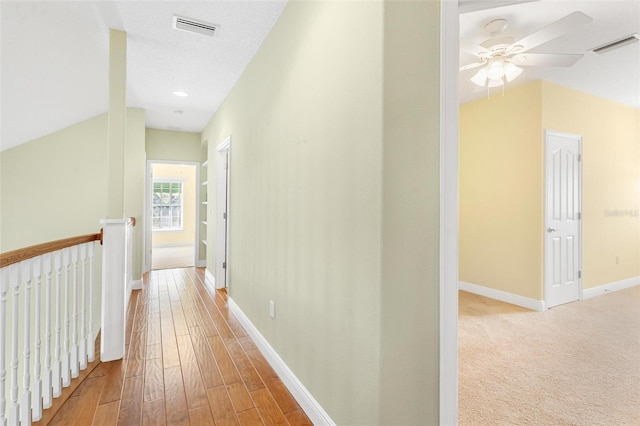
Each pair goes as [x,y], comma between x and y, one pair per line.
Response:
[480,78]
[496,70]
[495,82]
[511,71]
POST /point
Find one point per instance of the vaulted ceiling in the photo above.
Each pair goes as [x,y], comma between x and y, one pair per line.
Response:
[55,60]
[54,56]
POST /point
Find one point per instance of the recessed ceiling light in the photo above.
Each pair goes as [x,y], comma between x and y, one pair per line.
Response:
[180,93]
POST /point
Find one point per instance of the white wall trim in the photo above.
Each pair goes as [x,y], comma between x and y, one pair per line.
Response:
[503,296]
[609,287]
[209,279]
[148,205]
[223,178]
[307,402]
[201,264]
[449,211]
[136,285]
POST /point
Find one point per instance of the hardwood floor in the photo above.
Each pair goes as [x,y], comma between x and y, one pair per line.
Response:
[188,362]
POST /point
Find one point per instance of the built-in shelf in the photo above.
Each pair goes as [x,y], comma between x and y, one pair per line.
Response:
[205,203]
[205,183]
[205,164]
[204,222]
[204,242]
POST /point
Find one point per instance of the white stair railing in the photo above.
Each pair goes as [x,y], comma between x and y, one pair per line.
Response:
[65,268]
[117,284]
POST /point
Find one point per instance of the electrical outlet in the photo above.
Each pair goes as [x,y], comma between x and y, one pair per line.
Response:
[272,309]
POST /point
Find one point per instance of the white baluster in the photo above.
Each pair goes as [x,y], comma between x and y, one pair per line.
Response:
[36,391]
[82,347]
[4,287]
[25,403]
[46,377]
[14,410]
[66,377]
[91,347]
[74,309]
[56,373]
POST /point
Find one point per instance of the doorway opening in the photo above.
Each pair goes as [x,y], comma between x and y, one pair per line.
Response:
[172,200]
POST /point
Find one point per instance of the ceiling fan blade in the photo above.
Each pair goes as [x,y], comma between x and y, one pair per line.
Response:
[548,60]
[474,49]
[562,26]
[471,66]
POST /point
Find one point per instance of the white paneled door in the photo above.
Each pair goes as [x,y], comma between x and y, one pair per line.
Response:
[563,241]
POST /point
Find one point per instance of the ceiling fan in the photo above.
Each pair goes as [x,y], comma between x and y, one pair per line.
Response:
[501,56]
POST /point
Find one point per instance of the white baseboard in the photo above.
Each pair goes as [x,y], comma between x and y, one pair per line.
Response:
[209,279]
[606,288]
[170,245]
[503,296]
[136,285]
[307,402]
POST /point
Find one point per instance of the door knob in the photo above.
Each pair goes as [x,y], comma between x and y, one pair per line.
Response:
[550,229]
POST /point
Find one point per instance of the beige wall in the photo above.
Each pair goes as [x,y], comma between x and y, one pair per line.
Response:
[188,175]
[169,145]
[311,126]
[502,183]
[611,179]
[501,192]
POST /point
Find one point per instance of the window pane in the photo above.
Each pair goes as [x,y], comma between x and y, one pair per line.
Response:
[167,205]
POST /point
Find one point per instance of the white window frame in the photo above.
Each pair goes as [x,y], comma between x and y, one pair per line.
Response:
[170,181]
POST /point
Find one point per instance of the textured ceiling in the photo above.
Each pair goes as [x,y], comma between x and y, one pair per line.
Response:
[54,60]
[614,75]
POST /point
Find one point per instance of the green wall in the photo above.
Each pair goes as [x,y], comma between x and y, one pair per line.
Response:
[332,98]
[170,145]
[54,187]
[409,385]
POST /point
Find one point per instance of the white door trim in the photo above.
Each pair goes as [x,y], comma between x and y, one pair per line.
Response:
[148,202]
[579,139]
[449,58]
[223,158]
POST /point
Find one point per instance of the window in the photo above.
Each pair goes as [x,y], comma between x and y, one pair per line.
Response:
[167,205]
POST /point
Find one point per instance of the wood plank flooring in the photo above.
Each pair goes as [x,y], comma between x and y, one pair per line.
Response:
[188,362]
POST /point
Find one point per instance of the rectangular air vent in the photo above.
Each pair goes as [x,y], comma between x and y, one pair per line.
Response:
[633,38]
[194,26]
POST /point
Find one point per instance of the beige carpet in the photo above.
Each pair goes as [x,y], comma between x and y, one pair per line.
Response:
[172,257]
[575,364]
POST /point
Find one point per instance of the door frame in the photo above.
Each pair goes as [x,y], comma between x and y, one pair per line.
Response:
[545,234]
[449,189]
[148,202]
[223,155]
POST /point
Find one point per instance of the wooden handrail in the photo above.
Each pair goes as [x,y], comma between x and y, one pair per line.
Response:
[19,255]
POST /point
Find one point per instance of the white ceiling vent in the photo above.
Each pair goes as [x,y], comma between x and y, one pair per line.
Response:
[194,26]
[633,38]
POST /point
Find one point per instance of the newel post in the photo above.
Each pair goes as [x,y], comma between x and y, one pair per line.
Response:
[116,288]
